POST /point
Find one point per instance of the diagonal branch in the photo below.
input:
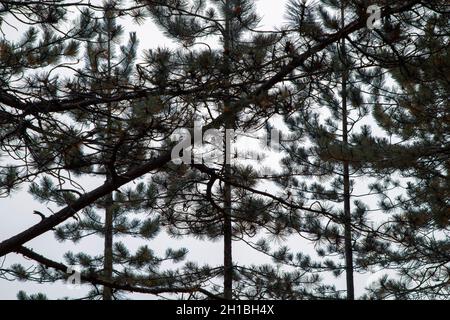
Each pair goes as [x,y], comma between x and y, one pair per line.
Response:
[52,221]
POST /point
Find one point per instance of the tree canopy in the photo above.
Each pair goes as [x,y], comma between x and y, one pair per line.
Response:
[323,149]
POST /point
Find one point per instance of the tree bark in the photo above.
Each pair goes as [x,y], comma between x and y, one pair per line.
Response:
[109,201]
[227,221]
[108,247]
[346,173]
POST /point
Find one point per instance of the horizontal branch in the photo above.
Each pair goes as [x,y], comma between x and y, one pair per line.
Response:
[95,280]
[61,105]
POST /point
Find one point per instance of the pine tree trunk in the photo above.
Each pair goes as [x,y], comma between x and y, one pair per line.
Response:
[227,221]
[108,245]
[227,232]
[346,176]
[108,252]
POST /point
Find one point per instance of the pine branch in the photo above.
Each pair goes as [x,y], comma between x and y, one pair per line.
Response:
[52,221]
[95,280]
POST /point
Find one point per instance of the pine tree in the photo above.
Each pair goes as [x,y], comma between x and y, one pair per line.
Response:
[114,142]
[352,67]
[278,219]
[238,63]
[415,117]
[321,151]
